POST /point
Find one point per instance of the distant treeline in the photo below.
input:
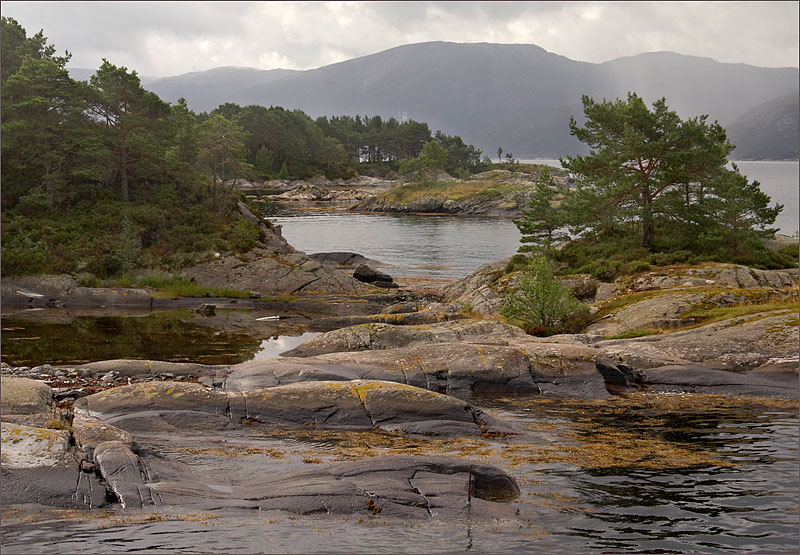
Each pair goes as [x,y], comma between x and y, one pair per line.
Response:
[62,136]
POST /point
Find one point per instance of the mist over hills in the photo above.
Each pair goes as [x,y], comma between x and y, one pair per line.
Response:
[518,97]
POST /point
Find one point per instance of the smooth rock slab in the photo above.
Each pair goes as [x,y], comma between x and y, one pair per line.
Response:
[737,344]
[379,336]
[406,487]
[362,404]
[38,466]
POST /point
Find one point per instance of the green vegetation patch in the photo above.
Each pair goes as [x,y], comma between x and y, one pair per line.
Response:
[451,190]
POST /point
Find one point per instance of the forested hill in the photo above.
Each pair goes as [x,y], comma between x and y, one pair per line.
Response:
[101,176]
[518,97]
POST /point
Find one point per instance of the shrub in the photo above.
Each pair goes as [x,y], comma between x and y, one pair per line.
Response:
[541,303]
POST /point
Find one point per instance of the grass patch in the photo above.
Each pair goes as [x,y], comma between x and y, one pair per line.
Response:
[709,315]
[630,334]
[452,190]
[173,287]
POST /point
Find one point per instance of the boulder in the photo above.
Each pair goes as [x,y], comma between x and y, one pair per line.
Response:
[367,275]
[25,401]
[343,259]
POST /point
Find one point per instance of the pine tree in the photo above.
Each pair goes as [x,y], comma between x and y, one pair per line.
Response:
[541,224]
[638,156]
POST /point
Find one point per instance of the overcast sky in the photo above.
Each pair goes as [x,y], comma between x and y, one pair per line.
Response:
[170,38]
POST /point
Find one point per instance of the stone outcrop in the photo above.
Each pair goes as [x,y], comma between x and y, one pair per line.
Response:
[378,336]
[269,273]
[738,344]
[360,404]
[457,368]
[668,309]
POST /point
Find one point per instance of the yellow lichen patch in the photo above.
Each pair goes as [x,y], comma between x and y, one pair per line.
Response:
[232,451]
[105,518]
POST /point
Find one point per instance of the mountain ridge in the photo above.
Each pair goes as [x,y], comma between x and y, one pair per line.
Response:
[515,96]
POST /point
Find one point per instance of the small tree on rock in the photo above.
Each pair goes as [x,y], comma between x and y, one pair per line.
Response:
[541,224]
[540,301]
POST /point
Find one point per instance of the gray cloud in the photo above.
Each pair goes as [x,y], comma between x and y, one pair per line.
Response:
[168,38]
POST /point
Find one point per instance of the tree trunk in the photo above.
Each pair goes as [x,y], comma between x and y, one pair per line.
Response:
[123,177]
[648,225]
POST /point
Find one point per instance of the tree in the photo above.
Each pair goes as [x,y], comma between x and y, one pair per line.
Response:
[499,154]
[740,213]
[540,301]
[223,149]
[542,222]
[134,120]
[639,156]
[183,152]
[46,136]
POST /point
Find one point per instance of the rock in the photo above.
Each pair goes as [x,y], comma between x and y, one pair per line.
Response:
[25,401]
[405,487]
[132,368]
[737,344]
[204,309]
[380,336]
[28,447]
[698,379]
[274,271]
[666,310]
[89,432]
[396,319]
[458,369]
[360,404]
[367,275]
[473,291]
[343,259]
[125,475]
[39,466]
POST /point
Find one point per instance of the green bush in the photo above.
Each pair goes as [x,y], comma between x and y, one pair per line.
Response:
[541,304]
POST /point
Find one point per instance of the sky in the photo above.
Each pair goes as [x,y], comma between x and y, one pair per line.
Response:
[170,38]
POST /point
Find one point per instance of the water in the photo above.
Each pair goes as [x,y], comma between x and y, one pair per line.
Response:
[781,181]
[645,474]
[434,247]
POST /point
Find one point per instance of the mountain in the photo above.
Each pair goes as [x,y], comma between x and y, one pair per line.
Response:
[768,131]
[515,96]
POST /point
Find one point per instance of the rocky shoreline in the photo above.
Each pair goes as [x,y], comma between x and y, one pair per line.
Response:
[497,193]
[393,362]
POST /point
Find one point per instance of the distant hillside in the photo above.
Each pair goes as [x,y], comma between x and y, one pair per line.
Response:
[769,131]
[515,96]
